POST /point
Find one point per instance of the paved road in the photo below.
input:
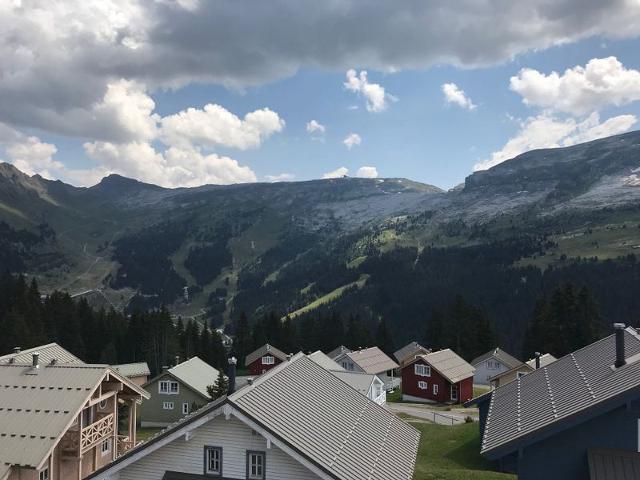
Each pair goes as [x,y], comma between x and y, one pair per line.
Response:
[441,417]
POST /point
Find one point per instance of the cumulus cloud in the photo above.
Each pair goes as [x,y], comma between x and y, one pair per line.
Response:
[579,90]
[337,173]
[546,131]
[367,172]
[315,127]
[376,97]
[453,94]
[175,167]
[215,126]
[283,177]
[34,156]
[352,140]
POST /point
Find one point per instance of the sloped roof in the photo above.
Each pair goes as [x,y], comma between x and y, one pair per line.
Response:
[132,369]
[372,360]
[523,367]
[195,373]
[571,385]
[47,353]
[35,410]
[359,381]
[545,360]
[503,357]
[336,352]
[324,361]
[448,363]
[342,431]
[410,350]
[263,350]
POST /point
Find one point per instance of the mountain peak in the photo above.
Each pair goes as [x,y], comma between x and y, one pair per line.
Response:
[115,183]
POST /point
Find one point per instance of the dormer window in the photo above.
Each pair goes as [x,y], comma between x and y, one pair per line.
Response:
[268,360]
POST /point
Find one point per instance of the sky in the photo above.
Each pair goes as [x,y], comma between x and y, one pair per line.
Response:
[189,92]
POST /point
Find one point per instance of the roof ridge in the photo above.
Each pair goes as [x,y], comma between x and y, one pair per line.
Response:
[266,376]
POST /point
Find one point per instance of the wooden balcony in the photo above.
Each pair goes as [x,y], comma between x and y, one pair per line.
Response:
[93,434]
[124,444]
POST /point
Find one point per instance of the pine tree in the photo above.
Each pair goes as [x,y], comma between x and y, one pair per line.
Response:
[384,339]
[219,388]
[242,339]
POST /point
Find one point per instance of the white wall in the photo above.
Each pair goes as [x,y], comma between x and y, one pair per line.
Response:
[234,437]
[484,373]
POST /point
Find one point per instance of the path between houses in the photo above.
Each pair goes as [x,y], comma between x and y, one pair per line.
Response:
[447,417]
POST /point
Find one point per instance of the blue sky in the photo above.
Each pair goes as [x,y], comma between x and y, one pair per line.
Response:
[419,135]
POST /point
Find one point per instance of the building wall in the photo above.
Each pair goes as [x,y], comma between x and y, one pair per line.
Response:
[484,373]
[151,413]
[564,455]
[410,387]
[257,368]
[465,390]
[509,377]
[235,439]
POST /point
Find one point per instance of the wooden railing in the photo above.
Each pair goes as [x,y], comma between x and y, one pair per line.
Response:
[124,444]
[96,432]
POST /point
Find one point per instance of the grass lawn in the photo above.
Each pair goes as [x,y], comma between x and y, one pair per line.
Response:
[477,391]
[452,453]
[143,434]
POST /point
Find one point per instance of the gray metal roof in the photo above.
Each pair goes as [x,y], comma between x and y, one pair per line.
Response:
[503,357]
[47,353]
[132,369]
[372,360]
[263,350]
[410,350]
[196,374]
[448,363]
[570,385]
[607,464]
[359,381]
[341,430]
[336,352]
[324,361]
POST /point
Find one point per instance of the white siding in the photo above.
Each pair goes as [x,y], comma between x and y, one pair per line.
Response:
[234,437]
[484,373]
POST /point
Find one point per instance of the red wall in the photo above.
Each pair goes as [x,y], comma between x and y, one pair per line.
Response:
[257,368]
[410,385]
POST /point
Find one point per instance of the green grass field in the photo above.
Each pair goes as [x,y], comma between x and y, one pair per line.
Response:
[452,453]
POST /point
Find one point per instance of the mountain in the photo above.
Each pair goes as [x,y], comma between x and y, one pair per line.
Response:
[376,247]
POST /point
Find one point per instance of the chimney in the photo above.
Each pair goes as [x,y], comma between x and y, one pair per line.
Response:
[177,358]
[537,354]
[232,375]
[620,356]
[35,362]
[16,350]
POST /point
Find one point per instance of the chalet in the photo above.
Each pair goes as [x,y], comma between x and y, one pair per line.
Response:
[521,370]
[409,351]
[370,360]
[441,376]
[59,417]
[368,385]
[575,418]
[297,421]
[176,392]
[338,351]
[264,359]
[138,373]
[492,363]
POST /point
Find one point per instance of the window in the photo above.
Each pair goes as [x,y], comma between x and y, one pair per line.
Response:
[105,447]
[167,405]
[102,405]
[423,370]
[454,392]
[268,360]
[185,408]
[493,365]
[423,385]
[213,461]
[255,465]
[43,474]
[435,389]
[87,416]
[168,387]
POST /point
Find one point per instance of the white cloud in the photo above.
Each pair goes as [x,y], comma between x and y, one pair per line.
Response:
[283,177]
[453,94]
[176,167]
[546,131]
[34,156]
[376,97]
[337,173]
[352,140]
[215,126]
[579,90]
[315,127]
[367,172]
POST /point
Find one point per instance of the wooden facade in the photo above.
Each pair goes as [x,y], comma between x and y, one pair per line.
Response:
[431,386]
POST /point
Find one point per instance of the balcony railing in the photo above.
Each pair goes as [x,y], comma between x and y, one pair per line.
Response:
[93,434]
[124,444]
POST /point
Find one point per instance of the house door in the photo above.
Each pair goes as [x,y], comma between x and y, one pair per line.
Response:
[454,393]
